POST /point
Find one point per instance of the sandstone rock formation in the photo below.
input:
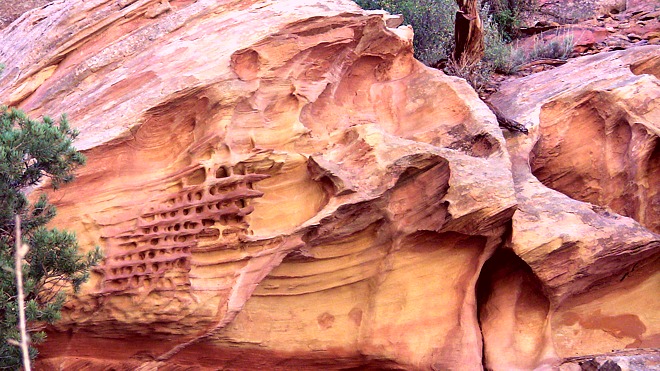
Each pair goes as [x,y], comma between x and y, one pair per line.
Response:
[594,136]
[280,185]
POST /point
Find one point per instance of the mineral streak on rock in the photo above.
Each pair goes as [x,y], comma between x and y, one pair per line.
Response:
[280,185]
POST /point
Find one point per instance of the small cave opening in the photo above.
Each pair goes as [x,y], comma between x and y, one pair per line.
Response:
[222,172]
[512,310]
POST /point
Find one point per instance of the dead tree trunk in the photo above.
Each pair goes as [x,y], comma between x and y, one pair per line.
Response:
[468,34]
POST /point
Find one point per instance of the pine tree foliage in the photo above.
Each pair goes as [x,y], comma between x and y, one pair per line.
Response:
[29,152]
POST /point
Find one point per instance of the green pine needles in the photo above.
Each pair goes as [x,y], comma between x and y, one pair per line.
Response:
[29,151]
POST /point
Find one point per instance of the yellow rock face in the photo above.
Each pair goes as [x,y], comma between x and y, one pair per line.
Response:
[280,185]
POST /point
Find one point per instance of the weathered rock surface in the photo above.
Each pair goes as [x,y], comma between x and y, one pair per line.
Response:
[10,10]
[273,179]
[280,185]
[593,137]
[638,26]
[569,12]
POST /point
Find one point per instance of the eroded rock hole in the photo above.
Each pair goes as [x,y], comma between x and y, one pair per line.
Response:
[130,245]
[512,312]
[230,232]
[221,172]
[209,234]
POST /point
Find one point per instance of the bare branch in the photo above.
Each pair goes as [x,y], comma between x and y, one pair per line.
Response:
[21,251]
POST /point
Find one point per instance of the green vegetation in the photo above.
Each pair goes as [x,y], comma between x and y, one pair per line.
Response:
[433,22]
[29,151]
[559,47]
[506,15]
